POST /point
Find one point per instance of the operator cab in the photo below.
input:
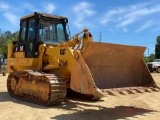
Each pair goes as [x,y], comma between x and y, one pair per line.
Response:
[39,28]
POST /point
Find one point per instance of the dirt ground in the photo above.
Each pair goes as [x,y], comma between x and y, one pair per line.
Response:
[141,106]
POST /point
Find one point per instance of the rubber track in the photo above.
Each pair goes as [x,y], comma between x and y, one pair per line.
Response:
[57,87]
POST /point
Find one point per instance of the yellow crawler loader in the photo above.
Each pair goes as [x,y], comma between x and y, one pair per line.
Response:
[44,64]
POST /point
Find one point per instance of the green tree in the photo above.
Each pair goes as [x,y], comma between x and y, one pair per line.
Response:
[149,58]
[2,41]
[6,38]
[146,59]
[157,48]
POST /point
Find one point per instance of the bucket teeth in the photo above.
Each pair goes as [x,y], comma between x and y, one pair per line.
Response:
[155,89]
[110,92]
[131,91]
[126,91]
[148,90]
[123,92]
[139,90]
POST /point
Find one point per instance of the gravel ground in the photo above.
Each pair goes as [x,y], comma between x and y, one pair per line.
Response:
[141,106]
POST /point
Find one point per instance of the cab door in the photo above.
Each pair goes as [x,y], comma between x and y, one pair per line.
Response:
[27,37]
[30,39]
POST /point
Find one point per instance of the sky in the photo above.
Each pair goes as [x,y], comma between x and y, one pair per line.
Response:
[129,22]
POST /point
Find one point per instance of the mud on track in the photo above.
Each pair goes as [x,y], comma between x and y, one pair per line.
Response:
[131,107]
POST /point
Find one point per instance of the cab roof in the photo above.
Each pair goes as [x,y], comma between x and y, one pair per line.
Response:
[42,15]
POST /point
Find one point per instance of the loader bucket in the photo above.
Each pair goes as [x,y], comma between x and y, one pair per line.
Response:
[117,66]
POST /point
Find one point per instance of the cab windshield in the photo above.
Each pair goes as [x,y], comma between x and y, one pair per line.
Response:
[52,32]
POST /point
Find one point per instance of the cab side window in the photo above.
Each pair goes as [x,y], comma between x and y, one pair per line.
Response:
[31,30]
[31,38]
[23,33]
[31,34]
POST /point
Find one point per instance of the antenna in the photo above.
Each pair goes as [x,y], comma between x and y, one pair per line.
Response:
[100,37]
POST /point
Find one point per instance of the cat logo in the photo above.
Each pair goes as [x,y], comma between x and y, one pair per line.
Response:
[62,51]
